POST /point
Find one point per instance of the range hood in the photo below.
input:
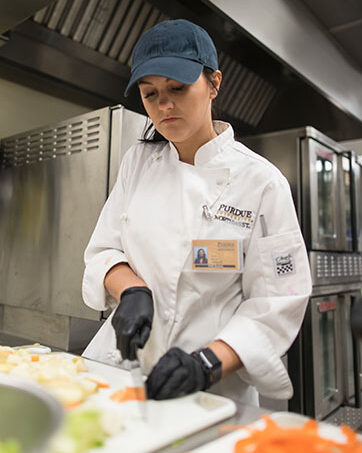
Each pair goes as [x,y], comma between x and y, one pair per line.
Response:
[14,12]
[81,49]
[291,33]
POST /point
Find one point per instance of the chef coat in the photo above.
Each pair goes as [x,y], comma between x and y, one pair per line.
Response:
[158,205]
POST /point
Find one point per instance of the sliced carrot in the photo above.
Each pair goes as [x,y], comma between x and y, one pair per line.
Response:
[129,394]
[275,439]
[35,358]
[101,385]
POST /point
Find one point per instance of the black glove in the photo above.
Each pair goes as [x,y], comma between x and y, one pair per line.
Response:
[132,320]
[176,373]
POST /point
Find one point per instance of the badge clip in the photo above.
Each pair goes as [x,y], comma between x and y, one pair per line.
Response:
[207,212]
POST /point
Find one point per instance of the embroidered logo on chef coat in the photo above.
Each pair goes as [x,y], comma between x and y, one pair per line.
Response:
[283,264]
[243,218]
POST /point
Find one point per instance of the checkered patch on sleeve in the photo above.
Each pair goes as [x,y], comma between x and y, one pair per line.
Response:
[283,264]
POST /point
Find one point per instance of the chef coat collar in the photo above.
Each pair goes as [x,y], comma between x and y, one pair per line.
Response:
[210,149]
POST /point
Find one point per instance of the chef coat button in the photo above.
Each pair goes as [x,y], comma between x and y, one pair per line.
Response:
[124,217]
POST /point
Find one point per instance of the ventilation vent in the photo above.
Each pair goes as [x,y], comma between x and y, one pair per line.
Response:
[244,95]
[112,27]
[80,134]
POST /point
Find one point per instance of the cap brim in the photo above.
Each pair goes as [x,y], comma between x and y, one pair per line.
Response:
[176,68]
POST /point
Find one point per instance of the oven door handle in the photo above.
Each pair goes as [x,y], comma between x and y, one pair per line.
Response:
[332,393]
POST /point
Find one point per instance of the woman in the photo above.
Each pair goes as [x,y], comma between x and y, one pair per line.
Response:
[224,326]
[201,257]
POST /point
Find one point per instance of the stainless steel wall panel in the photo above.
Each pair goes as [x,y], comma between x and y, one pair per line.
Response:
[50,202]
[23,325]
[46,328]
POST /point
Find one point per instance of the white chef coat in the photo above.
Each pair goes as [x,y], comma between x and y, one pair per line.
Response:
[156,209]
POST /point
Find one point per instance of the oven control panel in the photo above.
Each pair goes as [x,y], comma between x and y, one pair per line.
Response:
[335,268]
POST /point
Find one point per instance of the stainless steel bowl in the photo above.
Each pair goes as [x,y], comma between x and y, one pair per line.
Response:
[28,414]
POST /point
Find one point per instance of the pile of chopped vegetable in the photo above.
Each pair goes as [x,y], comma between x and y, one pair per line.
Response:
[275,439]
[64,376]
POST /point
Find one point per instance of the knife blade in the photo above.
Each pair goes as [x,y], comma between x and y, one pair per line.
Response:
[134,367]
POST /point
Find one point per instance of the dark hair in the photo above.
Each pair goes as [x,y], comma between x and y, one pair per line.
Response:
[150,133]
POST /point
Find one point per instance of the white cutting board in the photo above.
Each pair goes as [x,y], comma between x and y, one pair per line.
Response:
[167,421]
[284,419]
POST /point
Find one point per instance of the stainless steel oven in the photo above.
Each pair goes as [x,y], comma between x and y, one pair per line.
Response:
[324,361]
[356,163]
[54,181]
[322,356]
[316,168]
[325,179]
[351,350]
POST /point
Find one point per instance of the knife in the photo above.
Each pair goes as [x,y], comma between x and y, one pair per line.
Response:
[134,367]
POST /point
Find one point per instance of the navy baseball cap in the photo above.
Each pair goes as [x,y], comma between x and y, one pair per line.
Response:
[176,49]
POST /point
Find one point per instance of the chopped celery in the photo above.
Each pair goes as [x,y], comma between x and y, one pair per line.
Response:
[82,431]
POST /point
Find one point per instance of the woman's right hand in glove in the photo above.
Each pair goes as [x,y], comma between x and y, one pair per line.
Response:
[132,320]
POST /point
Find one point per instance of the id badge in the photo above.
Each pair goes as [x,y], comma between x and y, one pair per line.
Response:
[216,255]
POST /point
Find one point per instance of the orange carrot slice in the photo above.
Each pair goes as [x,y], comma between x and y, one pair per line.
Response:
[129,394]
[101,384]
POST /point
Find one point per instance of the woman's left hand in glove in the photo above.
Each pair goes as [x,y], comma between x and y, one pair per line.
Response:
[177,373]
